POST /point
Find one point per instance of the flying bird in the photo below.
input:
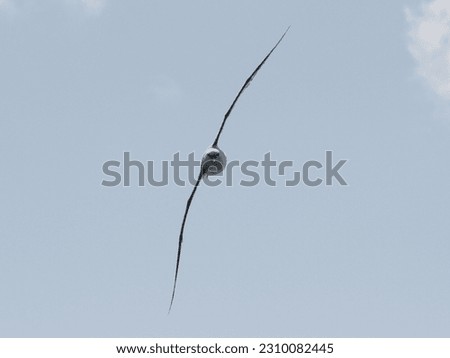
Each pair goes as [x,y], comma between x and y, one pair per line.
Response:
[213,162]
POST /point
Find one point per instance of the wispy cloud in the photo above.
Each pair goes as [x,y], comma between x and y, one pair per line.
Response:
[429,44]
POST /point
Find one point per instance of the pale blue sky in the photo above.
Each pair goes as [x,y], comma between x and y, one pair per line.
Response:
[83,81]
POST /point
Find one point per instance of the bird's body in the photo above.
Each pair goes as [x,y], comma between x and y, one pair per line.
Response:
[213,162]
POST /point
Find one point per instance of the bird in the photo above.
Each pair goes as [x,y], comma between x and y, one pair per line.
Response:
[213,162]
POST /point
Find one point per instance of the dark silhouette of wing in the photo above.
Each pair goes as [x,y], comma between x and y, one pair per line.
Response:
[246,84]
[180,242]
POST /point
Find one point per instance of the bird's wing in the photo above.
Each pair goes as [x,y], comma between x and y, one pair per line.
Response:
[246,84]
[180,241]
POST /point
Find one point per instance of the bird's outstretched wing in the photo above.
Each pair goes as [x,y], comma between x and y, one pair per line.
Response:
[246,84]
[180,241]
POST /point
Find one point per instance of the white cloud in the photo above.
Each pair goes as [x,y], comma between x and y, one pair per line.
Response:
[429,44]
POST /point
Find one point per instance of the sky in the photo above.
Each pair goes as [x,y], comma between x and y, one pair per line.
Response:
[83,81]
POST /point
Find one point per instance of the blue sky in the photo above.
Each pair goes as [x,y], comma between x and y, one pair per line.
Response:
[81,82]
